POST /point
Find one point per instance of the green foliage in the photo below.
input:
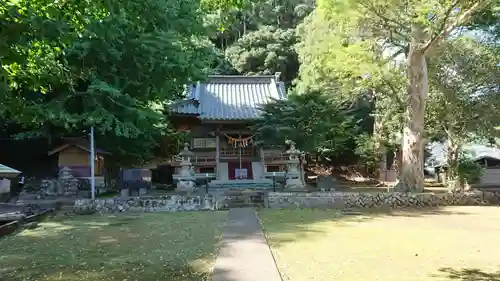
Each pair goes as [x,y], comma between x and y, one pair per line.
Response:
[210,5]
[469,171]
[350,47]
[222,66]
[310,120]
[109,64]
[367,151]
[487,21]
[116,65]
[103,66]
[229,25]
[158,144]
[265,51]
[464,96]
[339,62]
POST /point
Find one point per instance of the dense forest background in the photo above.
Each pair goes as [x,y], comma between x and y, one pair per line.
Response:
[117,65]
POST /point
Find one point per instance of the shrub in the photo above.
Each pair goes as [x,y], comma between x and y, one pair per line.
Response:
[469,171]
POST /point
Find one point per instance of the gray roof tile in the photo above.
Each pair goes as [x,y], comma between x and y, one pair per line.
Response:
[230,97]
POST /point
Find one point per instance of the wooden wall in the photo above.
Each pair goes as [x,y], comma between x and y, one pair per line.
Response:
[78,160]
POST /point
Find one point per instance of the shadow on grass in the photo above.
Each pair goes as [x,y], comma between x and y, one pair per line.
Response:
[391,242]
[466,274]
[296,224]
[146,247]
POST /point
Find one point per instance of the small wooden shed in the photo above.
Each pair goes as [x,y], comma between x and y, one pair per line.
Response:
[7,173]
[76,155]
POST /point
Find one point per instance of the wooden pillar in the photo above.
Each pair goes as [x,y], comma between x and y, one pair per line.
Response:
[241,150]
[217,154]
[262,162]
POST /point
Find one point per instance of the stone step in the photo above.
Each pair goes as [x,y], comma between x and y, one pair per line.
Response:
[256,199]
[240,205]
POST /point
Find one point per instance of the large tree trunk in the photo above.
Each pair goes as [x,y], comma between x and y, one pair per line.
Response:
[412,174]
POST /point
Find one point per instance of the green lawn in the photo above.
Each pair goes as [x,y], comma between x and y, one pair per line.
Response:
[143,247]
[454,243]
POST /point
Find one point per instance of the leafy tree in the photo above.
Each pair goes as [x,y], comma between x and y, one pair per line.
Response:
[468,172]
[367,151]
[235,21]
[309,120]
[464,97]
[265,51]
[282,14]
[70,65]
[487,21]
[367,35]
[347,71]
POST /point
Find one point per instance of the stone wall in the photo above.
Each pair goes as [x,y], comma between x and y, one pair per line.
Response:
[177,203]
[173,203]
[379,200]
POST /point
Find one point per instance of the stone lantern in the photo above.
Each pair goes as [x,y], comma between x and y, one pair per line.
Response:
[293,177]
[186,178]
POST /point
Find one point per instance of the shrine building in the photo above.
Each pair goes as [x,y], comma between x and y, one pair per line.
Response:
[217,114]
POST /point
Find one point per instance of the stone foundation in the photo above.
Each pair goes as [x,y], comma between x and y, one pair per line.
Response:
[173,203]
[340,200]
[380,200]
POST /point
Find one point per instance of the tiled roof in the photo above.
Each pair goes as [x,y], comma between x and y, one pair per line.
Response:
[230,97]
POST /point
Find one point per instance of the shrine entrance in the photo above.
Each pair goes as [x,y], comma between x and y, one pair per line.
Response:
[240,170]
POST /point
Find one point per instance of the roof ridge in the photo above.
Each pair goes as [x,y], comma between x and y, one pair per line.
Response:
[244,76]
[231,97]
[239,79]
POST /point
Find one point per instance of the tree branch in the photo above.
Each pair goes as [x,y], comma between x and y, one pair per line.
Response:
[392,24]
[394,91]
[445,21]
[396,54]
[464,17]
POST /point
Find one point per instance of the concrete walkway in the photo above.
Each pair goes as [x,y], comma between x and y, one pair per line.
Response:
[244,255]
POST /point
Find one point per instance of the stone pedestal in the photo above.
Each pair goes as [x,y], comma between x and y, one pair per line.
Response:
[293,177]
[325,183]
[49,187]
[208,203]
[186,176]
[143,191]
[68,184]
[124,193]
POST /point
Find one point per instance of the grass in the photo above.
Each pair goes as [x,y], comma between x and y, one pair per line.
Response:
[145,247]
[454,243]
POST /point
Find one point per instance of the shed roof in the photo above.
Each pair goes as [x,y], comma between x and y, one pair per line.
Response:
[8,171]
[477,152]
[230,97]
[80,143]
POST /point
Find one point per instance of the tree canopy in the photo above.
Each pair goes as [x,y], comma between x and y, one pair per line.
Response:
[313,122]
[351,46]
[70,65]
[464,97]
[267,50]
[384,70]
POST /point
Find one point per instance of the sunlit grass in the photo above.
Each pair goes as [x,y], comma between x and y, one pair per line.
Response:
[145,247]
[456,243]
